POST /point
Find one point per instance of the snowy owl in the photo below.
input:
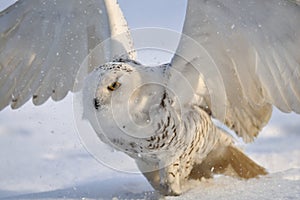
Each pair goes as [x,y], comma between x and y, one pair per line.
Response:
[235,60]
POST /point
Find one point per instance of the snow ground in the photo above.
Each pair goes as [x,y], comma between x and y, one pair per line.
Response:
[42,157]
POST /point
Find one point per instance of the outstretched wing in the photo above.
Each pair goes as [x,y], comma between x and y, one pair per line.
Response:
[247,54]
[43,43]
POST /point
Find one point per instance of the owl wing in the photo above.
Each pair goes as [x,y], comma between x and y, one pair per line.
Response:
[242,57]
[43,43]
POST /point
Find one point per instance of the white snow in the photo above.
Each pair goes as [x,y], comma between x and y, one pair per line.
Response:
[41,157]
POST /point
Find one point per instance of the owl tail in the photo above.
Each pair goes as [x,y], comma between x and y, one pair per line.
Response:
[227,160]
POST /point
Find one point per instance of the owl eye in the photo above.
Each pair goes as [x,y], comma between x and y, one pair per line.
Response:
[114,86]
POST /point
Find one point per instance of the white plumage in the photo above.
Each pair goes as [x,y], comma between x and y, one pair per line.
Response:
[234,61]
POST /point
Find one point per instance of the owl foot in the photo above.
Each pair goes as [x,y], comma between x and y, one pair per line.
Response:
[166,181]
[164,186]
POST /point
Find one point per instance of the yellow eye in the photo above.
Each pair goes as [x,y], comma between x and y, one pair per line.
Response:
[114,86]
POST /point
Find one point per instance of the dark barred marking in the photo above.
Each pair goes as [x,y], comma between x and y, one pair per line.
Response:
[126,60]
[96,103]
[162,103]
[115,66]
[171,173]
[163,144]
[133,145]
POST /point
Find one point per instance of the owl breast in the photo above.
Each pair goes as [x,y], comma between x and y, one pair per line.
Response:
[174,134]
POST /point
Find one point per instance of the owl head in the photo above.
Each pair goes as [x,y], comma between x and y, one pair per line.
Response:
[120,98]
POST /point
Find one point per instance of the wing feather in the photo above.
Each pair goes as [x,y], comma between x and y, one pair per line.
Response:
[43,43]
[254,46]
